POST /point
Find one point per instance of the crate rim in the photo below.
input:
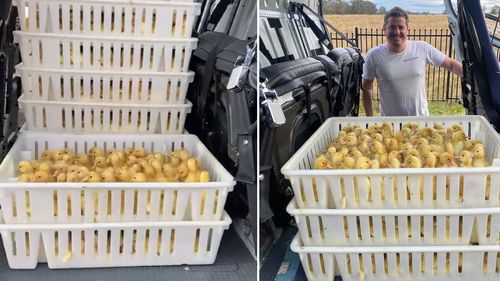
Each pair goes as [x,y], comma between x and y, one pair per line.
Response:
[289,169]
[295,211]
[186,106]
[115,39]
[297,247]
[224,222]
[189,74]
[191,3]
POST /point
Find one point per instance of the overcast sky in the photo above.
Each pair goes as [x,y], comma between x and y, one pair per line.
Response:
[431,6]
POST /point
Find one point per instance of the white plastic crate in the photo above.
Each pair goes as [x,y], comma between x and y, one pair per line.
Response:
[421,263]
[80,52]
[113,244]
[108,202]
[98,117]
[109,17]
[396,188]
[104,86]
[399,227]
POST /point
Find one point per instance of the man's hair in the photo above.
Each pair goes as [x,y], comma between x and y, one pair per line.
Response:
[396,12]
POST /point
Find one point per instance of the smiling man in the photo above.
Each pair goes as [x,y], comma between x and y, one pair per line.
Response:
[399,67]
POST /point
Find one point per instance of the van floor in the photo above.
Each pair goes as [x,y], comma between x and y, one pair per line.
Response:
[233,263]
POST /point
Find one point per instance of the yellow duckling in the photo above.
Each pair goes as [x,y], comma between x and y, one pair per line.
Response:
[465,158]
[46,155]
[43,176]
[394,162]
[457,128]
[82,159]
[96,152]
[321,162]
[72,177]
[377,147]
[184,155]
[377,137]
[61,177]
[169,170]
[375,164]
[430,160]
[356,154]
[194,166]
[100,162]
[437,139]
[123,175]
[336,159]
[407,147]
[175,161]
[363,163]
[446,160]
[28,177]
[391,144]
[479,156]
[412,162]
[156,164]
[58,155]
[348,163]
[204,176]
[383,160]
[138,177]
[193,177]
[94,177]
[351,140]
[426,132]
[139,152]
[160,177]
[25,167]
[82,172]
[438,126]
[108,175]
[45,166]
[182,171]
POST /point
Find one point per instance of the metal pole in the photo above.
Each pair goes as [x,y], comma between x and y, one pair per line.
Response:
[450,42]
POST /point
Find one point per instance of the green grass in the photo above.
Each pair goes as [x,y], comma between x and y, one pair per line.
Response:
[435,108]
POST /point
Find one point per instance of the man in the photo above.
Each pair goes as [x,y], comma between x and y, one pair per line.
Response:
[399,66]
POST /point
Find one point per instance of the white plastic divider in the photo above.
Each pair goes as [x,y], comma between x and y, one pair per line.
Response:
[98,117]
[109,17]
[113,244]
[396,188]
[107,202]
[82,52]
[396,227]
[420,263]
[104,86]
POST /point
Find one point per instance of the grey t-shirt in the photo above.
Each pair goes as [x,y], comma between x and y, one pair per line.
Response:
[401,77]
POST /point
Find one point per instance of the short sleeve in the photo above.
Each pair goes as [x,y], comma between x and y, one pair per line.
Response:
[369,67]
[434,56]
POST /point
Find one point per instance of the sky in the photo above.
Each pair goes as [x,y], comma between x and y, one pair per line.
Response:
[431,6]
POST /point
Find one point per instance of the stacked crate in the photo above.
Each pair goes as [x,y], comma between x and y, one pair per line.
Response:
[397,224]
[101,74]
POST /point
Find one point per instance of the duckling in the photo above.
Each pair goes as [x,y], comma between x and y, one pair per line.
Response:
[116,159]
[96,152]
[422,141]
[414,153]
[193,165]
[139,152]
[340,140]
[58,155]
[149,171]
[437,139]
[72,168]
[348,163]
[72,177]
[99,162]
[469,144]
[363,163]
[344,150]
[331,151]
[364,138]
[131,160]
[108,175]
[465,158]
[357,131]
[356,154]
[160,177]
[192,177]
[351,140]
[321,162]
[337,158]
[377,147]
[438,126]
[446,160]
[395,154]
[128,151]
[156,164]
[430,160]
[60,168]
[183,154]
[68,157]
[45,166]
[27,177]
[391,144]
[182,171]
[169,170]
[406,148]
[138,177]
[47,155]
[82,172]
[43,176]
[25,167]
[386,130]
[82,159]
[394,162]
[383,160]
[94,177]
[204,176]
[363,147]
[175,161]
[160,157]
[123,175]
[457,128]
[375,164]
[412,162]
[377,137]
[426,132]
[479,156]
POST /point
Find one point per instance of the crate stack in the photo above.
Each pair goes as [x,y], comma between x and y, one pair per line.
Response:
[111,74]
[397,224]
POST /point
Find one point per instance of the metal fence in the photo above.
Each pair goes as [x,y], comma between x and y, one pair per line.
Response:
[441,84]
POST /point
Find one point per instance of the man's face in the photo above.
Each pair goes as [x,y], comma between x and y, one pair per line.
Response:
[396,31]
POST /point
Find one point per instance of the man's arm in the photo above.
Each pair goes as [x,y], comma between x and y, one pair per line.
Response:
[366,95]
[452,66]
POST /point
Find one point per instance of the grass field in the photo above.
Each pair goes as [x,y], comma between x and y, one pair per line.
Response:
[436,108]
[347,23]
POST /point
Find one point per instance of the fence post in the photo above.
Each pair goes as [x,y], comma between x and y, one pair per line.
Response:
[450,42]
[356,36]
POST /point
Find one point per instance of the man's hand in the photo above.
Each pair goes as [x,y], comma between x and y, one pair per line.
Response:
[452,66]
[366,96]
